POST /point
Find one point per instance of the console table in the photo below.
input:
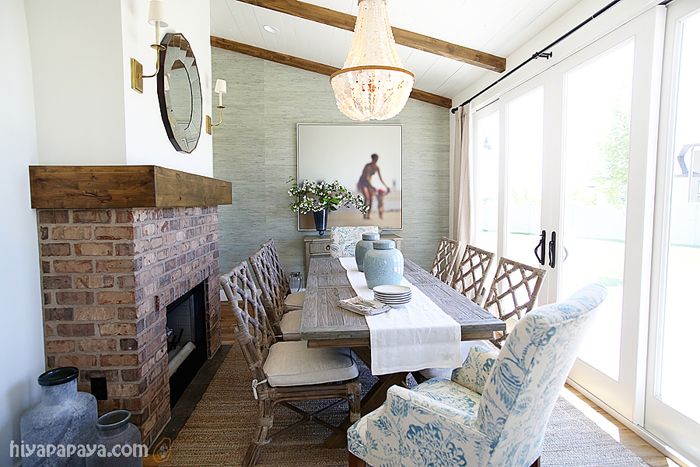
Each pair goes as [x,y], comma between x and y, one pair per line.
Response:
[316,246]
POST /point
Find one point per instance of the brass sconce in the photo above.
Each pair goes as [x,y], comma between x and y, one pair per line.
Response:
[156,17]
[220,89]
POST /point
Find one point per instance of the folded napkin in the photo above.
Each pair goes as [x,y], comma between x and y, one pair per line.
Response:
[416,336]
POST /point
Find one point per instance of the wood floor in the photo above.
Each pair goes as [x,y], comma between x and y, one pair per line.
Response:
[617,430]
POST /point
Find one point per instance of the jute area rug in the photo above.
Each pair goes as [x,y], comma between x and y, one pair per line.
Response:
[223,423]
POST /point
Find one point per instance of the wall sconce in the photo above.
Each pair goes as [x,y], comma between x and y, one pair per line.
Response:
[220,89]
[156,17]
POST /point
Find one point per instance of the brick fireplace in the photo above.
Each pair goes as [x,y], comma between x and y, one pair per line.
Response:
[108,276]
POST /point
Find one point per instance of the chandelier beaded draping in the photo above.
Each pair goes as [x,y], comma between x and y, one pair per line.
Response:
[372,85]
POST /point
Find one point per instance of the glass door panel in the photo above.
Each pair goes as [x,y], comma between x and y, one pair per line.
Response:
[673,411]
[597,102]
[524,142]
[486,173]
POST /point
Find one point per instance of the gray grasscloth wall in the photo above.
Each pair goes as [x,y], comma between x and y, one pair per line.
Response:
[255,149]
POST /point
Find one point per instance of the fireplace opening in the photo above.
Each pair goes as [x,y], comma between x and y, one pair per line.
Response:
[186,335]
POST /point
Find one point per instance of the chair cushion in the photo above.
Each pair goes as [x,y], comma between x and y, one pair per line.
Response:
[294,301]
[294,364]
[464,347]
[290,324]
[452,394]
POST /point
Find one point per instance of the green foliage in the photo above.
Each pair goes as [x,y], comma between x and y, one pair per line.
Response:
[616,148]
[318,196]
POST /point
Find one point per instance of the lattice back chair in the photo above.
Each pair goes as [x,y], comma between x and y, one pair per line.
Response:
[272,280]
[285,372]
[513,293]
[470,273]
[445,257]
[252,329]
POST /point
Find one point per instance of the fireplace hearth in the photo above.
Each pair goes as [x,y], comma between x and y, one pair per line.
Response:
[120,246]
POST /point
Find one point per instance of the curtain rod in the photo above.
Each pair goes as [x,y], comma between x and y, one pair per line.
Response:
[543,53]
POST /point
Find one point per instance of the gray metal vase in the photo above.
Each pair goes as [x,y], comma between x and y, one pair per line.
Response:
[63,417]
[114,429]
[363,246]
[383,264]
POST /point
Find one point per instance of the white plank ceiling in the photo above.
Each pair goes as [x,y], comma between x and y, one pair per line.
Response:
[495,26]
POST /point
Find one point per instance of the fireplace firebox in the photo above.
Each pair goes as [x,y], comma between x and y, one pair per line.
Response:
[186,337]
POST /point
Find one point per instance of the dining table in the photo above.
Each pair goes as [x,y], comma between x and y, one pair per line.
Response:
[325,324]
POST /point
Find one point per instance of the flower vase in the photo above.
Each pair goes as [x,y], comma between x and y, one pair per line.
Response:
[63,417]
[114,429]
[321,221]
[383,264]
[362,247]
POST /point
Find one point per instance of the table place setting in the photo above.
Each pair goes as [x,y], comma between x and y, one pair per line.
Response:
[414,333]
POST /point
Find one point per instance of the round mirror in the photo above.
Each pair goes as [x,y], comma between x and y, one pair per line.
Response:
[180,93]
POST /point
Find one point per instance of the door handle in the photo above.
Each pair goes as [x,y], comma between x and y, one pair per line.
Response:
[539,249]
[553,250]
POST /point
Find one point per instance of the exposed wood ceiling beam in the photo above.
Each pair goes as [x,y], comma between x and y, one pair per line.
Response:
[401,36]
[315,67]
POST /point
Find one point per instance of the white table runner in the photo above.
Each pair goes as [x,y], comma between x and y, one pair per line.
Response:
[417,336]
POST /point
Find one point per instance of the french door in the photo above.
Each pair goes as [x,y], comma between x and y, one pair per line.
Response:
[673,377]
[575,171]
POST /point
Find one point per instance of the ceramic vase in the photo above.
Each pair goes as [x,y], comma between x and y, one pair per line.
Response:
[321,221]
[63,417]
[383,264]
[363,246]
[114,429]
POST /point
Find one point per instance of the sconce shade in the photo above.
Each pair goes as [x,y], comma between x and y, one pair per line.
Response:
[156,13]
[220,86]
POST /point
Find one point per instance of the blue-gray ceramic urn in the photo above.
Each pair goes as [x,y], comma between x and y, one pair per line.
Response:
[114,429]
[383,264]
[363,246]
[63,417]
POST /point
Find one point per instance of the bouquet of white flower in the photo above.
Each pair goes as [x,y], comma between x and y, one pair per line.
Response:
[319,196]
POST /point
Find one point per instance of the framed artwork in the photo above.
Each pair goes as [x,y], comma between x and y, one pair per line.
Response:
[366,159]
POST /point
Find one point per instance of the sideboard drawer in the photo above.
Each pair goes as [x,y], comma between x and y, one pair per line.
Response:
[317,247]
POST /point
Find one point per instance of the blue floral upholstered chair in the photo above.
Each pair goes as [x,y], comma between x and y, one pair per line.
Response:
[494,410]
[344,239]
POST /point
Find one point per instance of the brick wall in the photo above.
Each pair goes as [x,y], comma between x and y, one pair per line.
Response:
[107,277]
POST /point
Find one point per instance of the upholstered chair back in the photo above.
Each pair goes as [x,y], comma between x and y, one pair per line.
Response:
[344,239]
[531,369]
[272,280]
[252,328]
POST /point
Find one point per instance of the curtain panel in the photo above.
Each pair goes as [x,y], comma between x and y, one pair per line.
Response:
[462,194]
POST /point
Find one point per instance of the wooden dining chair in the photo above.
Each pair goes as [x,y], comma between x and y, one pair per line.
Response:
[285,372]
[470,273]
[274,288]
[513,293]
[445,258]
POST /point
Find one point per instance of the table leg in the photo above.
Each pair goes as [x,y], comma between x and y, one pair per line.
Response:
[372,400]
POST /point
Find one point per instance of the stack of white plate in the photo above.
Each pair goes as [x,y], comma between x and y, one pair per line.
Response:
[394,295]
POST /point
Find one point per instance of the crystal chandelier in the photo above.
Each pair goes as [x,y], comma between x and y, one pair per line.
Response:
[373,85]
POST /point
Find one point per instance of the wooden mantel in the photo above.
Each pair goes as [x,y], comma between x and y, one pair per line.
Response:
[132,186]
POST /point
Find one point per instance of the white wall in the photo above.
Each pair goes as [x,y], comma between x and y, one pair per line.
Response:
[87,112]
[76,50]
[146,140]
[21,346]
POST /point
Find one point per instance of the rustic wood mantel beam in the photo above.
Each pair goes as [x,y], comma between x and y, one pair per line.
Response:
[315,67]
[410,39]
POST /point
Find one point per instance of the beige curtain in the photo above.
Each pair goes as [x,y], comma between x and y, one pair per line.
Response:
[462,195]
